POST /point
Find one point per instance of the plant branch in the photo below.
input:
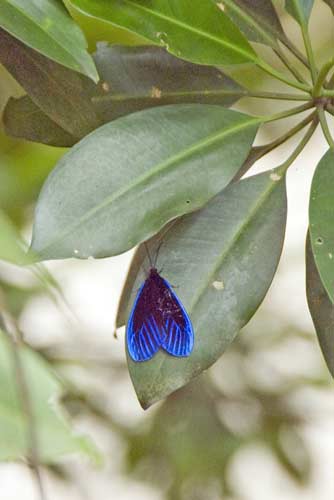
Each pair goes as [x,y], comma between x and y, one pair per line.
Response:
[280,76]
[293,49]
[293,70]
[309,51]
[317,91]
[257,152]
[15,338]
[287,113]
[324,126]
[285,165]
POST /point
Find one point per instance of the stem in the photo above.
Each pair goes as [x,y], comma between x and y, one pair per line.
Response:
[287,113]
[277,96]
[324,126]
[309,51]
[322,77]
[280,76]
[293,70]
[258,152]
[16,342]
[293,49]
[284,166]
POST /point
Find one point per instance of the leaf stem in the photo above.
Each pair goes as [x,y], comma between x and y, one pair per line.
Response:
[257,152]
[293,49]
[280,76]
[287,113]
[321,79]
[324,126]
[293,70]
[309,51]
[301,145]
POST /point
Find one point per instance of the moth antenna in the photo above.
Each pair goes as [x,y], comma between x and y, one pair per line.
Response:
[157,252]
[148,254]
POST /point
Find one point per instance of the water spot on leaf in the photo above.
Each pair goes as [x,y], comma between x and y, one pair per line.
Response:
[330,255]
[319,240]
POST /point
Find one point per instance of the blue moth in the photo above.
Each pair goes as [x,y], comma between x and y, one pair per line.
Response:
[158,320]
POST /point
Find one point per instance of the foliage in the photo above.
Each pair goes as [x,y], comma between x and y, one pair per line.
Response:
[156,156]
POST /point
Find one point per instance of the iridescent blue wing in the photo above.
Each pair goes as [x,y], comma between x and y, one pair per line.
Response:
[158,319]
[178,338]
[142,332]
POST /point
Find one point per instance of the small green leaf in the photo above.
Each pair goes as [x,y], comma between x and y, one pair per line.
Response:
[126,180]
[45,25]
[321,215]
[258,19]
[54,434]
[300,10]
[222,259]
[192,29]
[47,83]
[23,118]
[11,246]
[321,308]
[132,78]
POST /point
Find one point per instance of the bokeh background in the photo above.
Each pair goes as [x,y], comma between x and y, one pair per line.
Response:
[258,425]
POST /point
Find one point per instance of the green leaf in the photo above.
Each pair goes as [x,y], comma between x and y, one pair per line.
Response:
[300,10]
[192,29]
[123,182]
[258,19]
[54,434]
[47,83]
[132,78]
[11,246]
[45,25]
[23,118]
[222,259]
[321,215]
[321,308]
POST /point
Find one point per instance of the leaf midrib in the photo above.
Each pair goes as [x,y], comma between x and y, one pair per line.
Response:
[151,173]
[241,229]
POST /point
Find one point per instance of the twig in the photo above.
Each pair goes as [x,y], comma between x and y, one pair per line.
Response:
[16,341]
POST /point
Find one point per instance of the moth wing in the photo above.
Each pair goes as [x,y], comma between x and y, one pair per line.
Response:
[179,334]
[143,337]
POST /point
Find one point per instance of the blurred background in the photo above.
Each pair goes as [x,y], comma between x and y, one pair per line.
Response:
[258,425]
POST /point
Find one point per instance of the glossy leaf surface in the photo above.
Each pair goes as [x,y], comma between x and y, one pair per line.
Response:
[123,182]
[192,29]
[45,25]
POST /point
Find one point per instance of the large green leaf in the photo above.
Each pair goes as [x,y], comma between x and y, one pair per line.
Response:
[300,10]
[123,182]
[321,214]
[45,26]
[321,308]
[54,434]
[257,19]
[192,29]
[222,260]
[132,78]
[47,83]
